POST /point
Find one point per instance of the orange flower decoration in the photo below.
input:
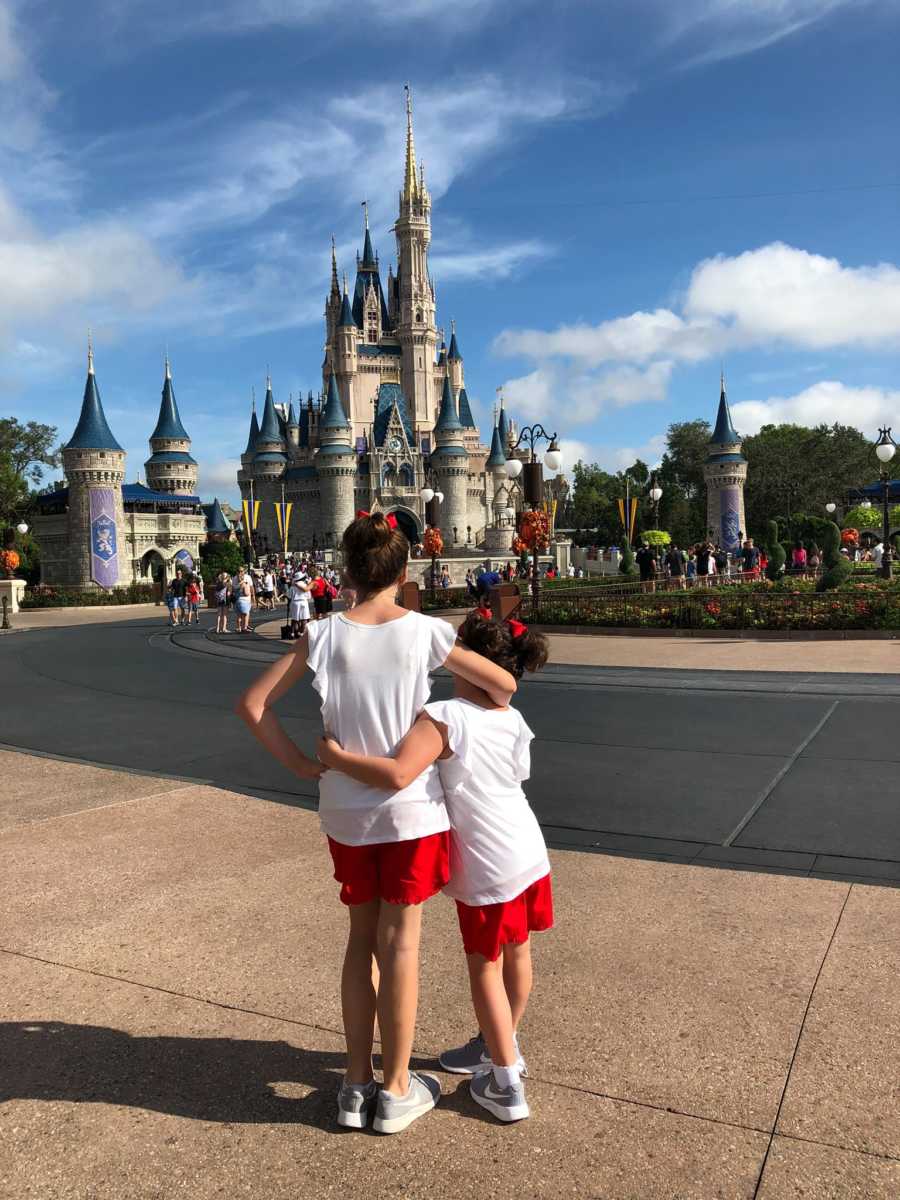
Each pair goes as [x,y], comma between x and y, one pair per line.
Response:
[432,541]
[534,530]
[9,560]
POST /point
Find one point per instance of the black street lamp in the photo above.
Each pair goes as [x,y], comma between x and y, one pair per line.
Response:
[432,498]
[885,448]
[655,496]
[532,473]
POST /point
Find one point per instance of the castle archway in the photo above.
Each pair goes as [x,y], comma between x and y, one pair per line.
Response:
[153,567]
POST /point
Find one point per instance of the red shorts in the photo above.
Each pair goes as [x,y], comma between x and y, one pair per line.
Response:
[399,872]
[486,928]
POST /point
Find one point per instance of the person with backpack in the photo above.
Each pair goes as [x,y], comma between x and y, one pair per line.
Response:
[222,595]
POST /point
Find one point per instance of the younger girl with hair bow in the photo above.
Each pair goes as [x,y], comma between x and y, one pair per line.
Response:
[499,871]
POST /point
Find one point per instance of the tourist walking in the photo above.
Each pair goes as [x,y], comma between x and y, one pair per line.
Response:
[191,601]
[390,849]
[173,603]
[244,601]
[298,604]
[222,594]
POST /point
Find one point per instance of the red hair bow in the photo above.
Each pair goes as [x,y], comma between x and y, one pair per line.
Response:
[390,518]
[485,612]
[516,628]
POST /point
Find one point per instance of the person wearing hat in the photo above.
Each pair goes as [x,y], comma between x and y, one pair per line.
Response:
[298,603]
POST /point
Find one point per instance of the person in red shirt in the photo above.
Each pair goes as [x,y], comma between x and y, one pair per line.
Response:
[191,600]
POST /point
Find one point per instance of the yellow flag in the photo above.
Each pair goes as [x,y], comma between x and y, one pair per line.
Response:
[634,505]
[279,520]
[256,504]
[288,509]
[246,507]
[621,504]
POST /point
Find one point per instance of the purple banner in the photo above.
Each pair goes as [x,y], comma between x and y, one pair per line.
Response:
[730,501]
[104,538]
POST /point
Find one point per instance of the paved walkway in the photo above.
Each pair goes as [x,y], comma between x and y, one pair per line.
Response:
[170,1018]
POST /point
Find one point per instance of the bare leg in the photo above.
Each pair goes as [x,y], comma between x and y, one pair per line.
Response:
[492,1008]
[517,976]
[399,929]
[358,990]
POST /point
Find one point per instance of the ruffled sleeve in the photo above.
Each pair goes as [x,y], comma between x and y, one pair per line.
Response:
[317,635]
[450,713]
[441,639]
[522,753]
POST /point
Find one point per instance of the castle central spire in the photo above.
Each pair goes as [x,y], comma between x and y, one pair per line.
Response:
[410,185]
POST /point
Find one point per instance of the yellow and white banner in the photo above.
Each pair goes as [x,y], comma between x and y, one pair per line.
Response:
[283,518]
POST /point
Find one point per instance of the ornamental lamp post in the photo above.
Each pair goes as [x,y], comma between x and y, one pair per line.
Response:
[885,449]
[831,508]
[22,528]
[655,496]
[532,473]
[432,498]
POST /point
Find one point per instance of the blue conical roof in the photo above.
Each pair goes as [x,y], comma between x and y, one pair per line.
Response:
[448,417]
[503,427]
[497,456]
[269,430]
[453,353]
[346,317]
[334,416]
[169,423]
[254,434]
[92,432]
[368,255]
[215,521]
[292,416]
[724,433]
[465,410]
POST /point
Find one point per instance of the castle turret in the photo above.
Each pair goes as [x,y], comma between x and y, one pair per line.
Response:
[454,360]
[336,466]
[269,455]
[345,339]
[450,463]
[170,467]
[217,528]
[250,448]
[725,471]
[94,464]
[293,425]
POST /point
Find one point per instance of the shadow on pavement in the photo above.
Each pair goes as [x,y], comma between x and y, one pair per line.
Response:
[206,1079]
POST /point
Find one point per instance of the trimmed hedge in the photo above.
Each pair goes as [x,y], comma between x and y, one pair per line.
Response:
[54,597]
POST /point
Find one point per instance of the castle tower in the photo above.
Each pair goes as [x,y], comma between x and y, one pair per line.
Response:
[250,448]
[94,464]
[450,463]
[170,467]
[293,425]
[336,467]
[345,361]
[454,360]
[725,471]
[495,467]
[416,310]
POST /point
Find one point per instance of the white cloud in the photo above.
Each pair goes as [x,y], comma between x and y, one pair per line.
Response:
[776,295]
[826,402]
[708,31]
[576,397]
[219,479]
[780,293]
[492,262]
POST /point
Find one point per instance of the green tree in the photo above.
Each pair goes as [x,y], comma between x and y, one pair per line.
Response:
[837,566]
[862,518]
[793,470]
[595,503]
[24,450]
[682,508]
[219,556]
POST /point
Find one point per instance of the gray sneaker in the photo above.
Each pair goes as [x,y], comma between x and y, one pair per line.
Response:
[473,1058]
[355,1102]
[396,1112]
[507,1104]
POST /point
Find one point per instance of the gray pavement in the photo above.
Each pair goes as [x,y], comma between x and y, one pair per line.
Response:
[707,1023]
[763,770]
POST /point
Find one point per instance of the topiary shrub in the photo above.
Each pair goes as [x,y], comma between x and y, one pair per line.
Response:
[656,537]
[774,552]
[626,563]
[837,567]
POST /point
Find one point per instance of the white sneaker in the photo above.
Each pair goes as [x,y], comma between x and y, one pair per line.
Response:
[396,1112]
[474,1057]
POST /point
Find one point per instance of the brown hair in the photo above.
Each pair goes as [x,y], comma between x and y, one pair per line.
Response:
[494,640]
[375,553]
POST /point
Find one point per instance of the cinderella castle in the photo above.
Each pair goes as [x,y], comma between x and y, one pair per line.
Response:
[393,416]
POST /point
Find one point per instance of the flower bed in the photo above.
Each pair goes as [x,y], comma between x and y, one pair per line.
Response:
[54,597]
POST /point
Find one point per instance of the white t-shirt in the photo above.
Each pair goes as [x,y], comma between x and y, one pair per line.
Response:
[497,849]
[373,683]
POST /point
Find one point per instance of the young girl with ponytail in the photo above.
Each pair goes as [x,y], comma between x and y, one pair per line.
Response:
[389,844]
[500,874]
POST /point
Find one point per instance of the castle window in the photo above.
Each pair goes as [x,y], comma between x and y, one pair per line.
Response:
[387,475]
[419,315]
[406,477]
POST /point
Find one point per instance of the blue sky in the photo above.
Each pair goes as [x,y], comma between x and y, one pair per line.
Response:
[626,195]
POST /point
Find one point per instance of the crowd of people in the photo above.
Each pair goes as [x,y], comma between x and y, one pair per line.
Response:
[306,588]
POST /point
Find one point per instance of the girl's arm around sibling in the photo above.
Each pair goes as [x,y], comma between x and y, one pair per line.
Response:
[424,744]
[255,708]
[497,682]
